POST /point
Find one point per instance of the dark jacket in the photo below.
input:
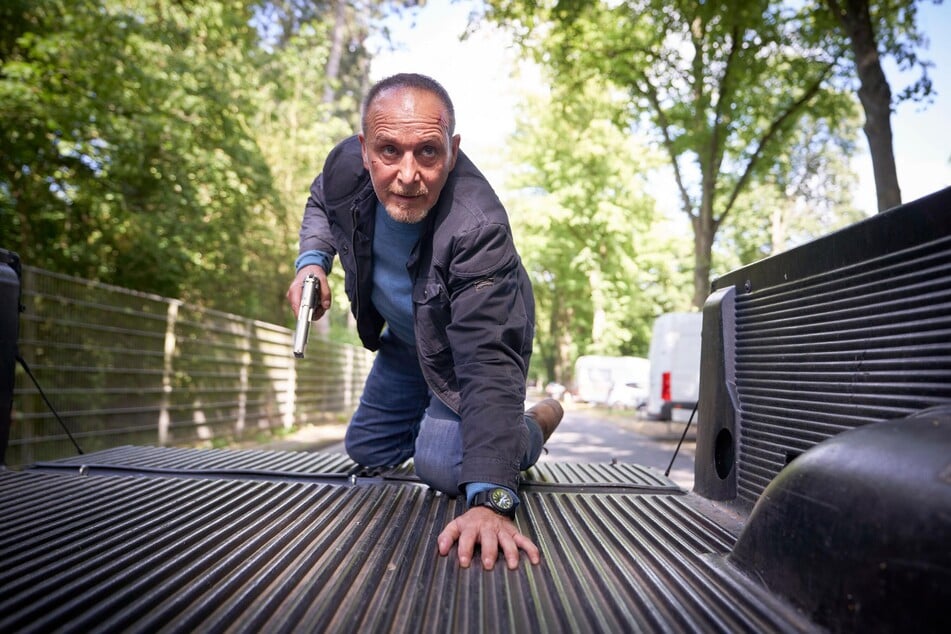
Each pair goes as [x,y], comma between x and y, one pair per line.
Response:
[472,301]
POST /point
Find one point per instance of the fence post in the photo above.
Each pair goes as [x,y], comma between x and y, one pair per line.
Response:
[290,401]
[164,421]
[29,338]
[348,378]
[243,378]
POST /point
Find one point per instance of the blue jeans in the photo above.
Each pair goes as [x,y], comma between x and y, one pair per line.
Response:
[398,418]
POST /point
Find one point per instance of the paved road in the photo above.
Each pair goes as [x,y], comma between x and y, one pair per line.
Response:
[585,435]
[591,435]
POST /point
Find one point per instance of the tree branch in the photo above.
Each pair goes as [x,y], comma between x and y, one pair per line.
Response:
[773,130]
[716,152]
[651,93]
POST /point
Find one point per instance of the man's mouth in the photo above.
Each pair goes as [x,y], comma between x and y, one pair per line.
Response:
[409,195]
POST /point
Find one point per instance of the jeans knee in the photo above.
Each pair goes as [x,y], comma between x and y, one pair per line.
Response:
[370,452]
[359,452]
[441,475]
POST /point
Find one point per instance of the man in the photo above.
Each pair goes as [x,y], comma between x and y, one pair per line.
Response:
[438,290]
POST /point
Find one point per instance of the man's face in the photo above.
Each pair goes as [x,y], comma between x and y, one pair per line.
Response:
[408,151]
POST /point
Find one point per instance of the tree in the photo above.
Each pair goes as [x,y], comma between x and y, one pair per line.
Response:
[807,193]
[312,82]
[719,85]
[162,147]
[872,29]
[581,221]
[349,24]
[127,152]
[295,129]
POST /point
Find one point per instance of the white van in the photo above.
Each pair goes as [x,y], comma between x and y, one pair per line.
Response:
[674,366]
[613,381]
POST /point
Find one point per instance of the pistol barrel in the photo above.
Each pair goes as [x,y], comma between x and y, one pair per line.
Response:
[305,314]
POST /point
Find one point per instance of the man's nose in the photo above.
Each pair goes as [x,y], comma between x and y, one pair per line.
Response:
[409,170]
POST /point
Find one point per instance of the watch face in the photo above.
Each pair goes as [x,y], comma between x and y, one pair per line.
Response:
[501,499]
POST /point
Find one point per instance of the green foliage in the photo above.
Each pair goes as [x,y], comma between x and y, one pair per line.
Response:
[898,33]
[869,31]
[128,155]
[718,86]
[169,146]
[807,193]
[160,147]
[584,231]
[295,129]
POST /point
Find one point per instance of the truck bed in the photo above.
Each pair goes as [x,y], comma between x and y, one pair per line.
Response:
[145,539]
[821,498]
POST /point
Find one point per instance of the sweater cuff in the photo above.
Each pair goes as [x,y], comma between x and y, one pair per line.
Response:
[307,258]
[473,488]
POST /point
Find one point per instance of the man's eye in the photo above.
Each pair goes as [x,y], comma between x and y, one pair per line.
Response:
[389,150]
[429,151]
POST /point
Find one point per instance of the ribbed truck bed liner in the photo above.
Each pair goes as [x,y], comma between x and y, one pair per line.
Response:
[151,539]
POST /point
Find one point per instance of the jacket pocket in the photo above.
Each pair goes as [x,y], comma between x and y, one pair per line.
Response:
[431,315]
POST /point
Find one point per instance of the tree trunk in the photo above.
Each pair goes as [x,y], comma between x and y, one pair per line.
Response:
[875,96]
[336,50]
[704,230]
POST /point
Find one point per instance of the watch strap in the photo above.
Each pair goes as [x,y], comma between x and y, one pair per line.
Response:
[499,499]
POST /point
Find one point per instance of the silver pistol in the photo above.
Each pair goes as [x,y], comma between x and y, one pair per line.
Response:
[308,300]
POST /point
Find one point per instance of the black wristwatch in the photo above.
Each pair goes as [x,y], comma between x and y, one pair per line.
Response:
[498,499]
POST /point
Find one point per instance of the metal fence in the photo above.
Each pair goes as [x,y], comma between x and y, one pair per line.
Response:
[123,367]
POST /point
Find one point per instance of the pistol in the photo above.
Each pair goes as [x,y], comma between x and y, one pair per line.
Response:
[308,300]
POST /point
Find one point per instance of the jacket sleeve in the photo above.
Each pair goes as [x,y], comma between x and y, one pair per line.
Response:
[315,227]
[491,331]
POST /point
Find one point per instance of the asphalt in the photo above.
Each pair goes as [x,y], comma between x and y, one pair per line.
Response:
[589,434]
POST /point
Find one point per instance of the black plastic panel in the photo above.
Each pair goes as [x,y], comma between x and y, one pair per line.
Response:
[845,331]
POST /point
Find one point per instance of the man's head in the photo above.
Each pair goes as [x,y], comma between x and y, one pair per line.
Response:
[408,143]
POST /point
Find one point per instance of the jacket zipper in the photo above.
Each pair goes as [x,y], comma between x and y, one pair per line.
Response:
[354,210]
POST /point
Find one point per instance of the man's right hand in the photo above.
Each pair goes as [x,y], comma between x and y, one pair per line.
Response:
[297,287]
[492,532]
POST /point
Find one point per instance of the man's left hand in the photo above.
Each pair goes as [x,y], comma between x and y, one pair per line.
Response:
[483,526]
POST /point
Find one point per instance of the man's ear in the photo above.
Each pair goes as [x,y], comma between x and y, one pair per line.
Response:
[363,151]
[455,151]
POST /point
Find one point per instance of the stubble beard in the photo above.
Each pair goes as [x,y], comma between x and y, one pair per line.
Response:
[406,214]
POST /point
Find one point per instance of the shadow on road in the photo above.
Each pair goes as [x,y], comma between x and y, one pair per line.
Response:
[589,434]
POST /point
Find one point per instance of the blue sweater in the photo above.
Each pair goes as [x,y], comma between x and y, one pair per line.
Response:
[392,293]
